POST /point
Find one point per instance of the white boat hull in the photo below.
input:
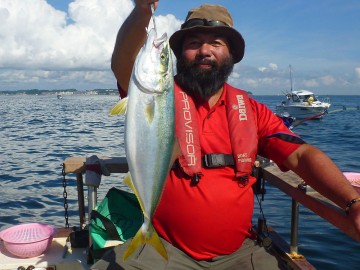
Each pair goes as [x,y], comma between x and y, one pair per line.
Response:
[302,112]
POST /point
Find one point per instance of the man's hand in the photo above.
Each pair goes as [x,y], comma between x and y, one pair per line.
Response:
[130,38]
[145,4]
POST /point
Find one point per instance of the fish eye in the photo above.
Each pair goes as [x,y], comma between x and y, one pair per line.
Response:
[163,57]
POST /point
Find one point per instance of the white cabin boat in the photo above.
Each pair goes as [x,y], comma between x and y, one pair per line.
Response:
[303,104]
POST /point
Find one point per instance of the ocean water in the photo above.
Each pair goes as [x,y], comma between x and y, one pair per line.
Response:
[38,132]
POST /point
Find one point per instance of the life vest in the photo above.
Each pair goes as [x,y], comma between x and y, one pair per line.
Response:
[242,128]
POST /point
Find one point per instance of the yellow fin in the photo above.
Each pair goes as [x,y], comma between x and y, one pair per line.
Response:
[149,112]
[158,245]
[120,107]
[140,239]
[136,242]
[127,181]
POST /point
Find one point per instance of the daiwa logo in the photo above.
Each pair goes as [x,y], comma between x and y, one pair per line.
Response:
[241,158]
[189,132]
[241,107]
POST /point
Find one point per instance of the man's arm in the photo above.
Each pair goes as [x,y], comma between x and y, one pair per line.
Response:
[130,39]
[317,170]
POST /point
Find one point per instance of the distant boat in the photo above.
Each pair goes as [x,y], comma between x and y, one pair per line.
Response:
[59,96]
[302,104]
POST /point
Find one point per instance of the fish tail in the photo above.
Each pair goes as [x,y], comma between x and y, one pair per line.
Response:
[120,107]
[140,239]
[136,242]
[158,245]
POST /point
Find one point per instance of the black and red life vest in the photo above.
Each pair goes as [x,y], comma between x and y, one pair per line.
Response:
[242,128]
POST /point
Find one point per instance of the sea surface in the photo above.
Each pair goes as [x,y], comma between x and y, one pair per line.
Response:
[38,132]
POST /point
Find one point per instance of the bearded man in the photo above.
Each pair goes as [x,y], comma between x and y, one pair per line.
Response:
[204,217]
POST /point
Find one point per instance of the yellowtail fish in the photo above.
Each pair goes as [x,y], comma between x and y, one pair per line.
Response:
[149,132]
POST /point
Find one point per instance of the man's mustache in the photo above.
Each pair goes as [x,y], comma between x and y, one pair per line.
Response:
[204,61]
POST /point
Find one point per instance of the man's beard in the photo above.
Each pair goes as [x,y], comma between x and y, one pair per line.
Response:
[202,83]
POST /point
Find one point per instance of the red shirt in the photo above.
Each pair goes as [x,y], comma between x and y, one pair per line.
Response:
[214,217]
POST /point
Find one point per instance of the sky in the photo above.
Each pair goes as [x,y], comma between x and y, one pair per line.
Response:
[62,44]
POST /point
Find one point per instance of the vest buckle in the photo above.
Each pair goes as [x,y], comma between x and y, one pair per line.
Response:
[217,160]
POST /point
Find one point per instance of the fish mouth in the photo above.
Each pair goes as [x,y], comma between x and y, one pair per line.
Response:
[158,41]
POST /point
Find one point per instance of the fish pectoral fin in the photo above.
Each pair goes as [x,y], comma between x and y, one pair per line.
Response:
[127,181]
[149,109]
[120,107]
[176,152]
[140,239]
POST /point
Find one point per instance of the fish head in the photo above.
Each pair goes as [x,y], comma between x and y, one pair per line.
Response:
[153,72]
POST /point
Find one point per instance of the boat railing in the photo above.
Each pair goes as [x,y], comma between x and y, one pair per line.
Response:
[326,100]
[77,166]
[287,182]
[294,186]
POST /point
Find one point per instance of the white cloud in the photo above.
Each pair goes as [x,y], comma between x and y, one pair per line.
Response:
[273,66]
[252,83]
[235,75]
[168,24]
[357,71]
[36,36]
[27,32]
[328,80]
[268,80]
[262,69]
[311,83]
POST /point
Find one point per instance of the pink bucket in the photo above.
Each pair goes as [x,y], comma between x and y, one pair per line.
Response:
[28,240]
[354,179]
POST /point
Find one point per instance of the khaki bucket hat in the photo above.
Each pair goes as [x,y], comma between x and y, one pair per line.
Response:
[209,18]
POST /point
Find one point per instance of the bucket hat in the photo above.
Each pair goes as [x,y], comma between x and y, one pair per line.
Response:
[213,19]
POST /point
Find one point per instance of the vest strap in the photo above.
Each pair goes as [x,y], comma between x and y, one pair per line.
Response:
[213,161]
[217,160]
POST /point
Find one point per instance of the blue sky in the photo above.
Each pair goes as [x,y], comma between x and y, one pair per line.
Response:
[57,44]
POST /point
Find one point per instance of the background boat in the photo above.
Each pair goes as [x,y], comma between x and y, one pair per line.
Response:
[303,104]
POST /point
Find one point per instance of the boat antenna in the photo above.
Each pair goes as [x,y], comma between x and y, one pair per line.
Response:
[291,82]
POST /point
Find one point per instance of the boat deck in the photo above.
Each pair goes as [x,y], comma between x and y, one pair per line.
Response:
[53,259]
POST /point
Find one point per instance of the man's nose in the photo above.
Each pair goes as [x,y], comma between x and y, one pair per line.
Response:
[205,49]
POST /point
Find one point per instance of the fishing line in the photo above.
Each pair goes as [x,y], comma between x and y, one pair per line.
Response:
[153,17]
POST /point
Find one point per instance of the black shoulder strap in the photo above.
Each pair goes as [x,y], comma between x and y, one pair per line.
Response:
[109,226]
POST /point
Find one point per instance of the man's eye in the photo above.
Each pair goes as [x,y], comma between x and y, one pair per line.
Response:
[217,43]
[193,44]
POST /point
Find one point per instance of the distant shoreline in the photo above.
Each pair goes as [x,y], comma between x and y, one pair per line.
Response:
[70,92]
[63,92]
